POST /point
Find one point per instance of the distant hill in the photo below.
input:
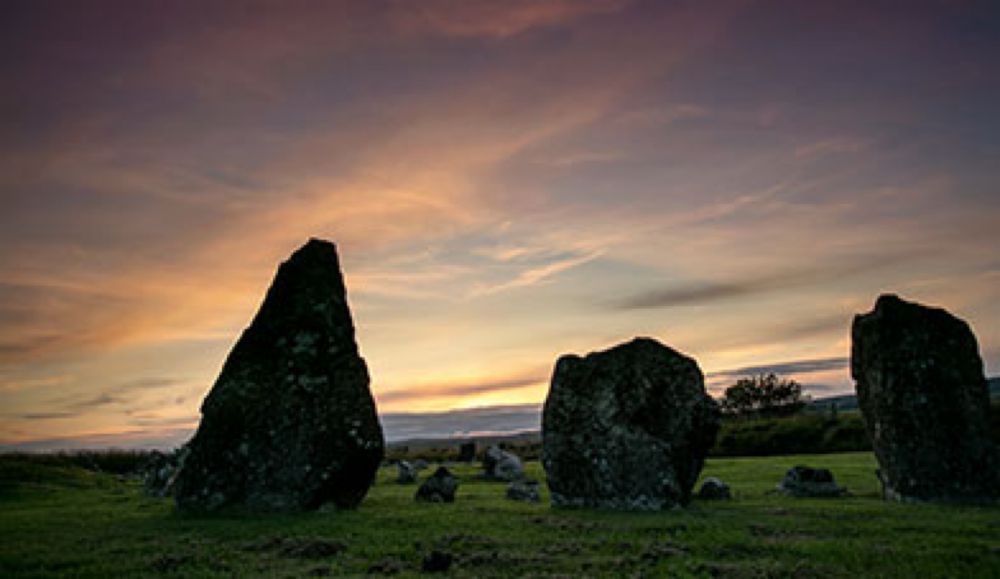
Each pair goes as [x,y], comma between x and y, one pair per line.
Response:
[842,402]
[850,401]
[444,442]
[525,435]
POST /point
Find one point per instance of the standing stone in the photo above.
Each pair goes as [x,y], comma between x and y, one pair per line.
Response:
[627,428]
[290,423]
[440,487]
[406,474]
[804,481]
[524,490]
[713,489]
[498,464]
[922,392]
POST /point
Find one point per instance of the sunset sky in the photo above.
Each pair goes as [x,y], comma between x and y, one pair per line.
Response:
[505,181]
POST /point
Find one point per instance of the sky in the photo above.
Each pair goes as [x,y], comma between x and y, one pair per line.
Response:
[506,182]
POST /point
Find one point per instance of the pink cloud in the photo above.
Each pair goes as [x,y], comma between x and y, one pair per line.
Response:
[477,18]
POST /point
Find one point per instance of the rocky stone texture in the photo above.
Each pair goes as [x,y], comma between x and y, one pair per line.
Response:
[290,423]
[499,464]
[627,428]
[440,487]
[406,473]
[923,395]
[713,489]
[803,481]
[160,472]
[523,490]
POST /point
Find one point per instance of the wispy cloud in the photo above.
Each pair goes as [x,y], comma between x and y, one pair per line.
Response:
[147,383]
[103,399]
[661,114]
[785,368]
[120,394]
[583,158]
[506,252]
[29,346]
[13,385]
[46,415]
[537,274]
[164,421]
[708,292]
[831,146]
[477,18]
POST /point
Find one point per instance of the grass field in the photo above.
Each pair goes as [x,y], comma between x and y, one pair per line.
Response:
[66,521]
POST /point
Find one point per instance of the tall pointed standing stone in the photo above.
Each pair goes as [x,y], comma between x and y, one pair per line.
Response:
[290,423]
[923,395]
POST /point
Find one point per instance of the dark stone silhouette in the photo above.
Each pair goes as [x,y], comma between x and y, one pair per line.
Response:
[290,423]
[627,428]
[440,487]
[499,464]
[523,490]
[467,452]
[804,481]
[713,489]
[923,395]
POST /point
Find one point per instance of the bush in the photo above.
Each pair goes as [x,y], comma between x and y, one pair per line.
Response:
[112,461]
[791,435]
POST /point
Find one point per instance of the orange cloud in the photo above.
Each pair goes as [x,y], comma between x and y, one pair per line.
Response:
[460,389]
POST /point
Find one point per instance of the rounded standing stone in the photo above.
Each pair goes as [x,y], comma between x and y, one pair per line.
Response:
[627,428]
[499,464]
[713,489]
[440,487]
[804,481]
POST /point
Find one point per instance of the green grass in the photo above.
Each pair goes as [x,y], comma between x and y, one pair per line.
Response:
[65,521]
